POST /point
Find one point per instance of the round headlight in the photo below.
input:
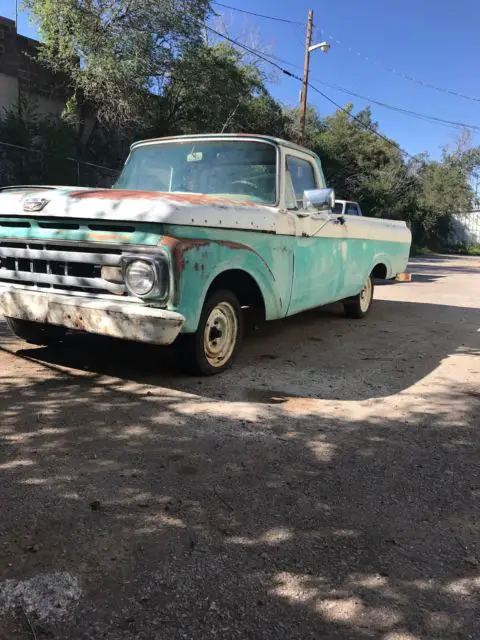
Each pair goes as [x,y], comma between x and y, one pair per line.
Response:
[140,277]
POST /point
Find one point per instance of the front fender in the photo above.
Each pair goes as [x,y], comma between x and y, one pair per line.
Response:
[197,262]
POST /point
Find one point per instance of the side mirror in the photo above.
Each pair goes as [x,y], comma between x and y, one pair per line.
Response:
[319,200]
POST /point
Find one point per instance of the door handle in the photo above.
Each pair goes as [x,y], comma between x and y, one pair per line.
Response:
[339,220]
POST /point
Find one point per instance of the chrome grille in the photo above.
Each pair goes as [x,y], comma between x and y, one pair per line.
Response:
[61,267]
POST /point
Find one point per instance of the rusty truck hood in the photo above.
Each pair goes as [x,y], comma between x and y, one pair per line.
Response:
[136,206]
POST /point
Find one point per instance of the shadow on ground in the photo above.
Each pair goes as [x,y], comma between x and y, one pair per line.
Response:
[235,520]
[440,266]
[319,354]
[274,526]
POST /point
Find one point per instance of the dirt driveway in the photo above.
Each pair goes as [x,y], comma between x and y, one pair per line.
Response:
[327,487]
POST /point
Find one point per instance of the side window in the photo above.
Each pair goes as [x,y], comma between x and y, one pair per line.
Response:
[352,209]
[303,178]
[338,208]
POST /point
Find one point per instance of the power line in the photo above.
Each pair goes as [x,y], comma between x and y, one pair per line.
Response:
[259,15]
[293,75]
[360,122]
[414,114]
[254,52]
[400,74]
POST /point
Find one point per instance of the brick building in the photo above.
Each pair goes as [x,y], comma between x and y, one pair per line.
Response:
[23,80]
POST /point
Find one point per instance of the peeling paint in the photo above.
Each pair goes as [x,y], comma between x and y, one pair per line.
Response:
[113,194]
[104,236]
[126,320]
[179,246]
[234,245]
[186,198]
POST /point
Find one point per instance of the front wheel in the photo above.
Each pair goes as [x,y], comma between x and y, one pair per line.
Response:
[36,332]
[358,306]
[212,348]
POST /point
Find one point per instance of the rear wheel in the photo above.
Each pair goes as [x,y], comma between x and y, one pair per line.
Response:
[212,348]
[36,332]
[358,306]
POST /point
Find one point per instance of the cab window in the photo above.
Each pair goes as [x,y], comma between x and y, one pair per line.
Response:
[303,177]
[338,208]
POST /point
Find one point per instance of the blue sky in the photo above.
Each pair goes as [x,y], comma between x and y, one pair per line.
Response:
[434,41]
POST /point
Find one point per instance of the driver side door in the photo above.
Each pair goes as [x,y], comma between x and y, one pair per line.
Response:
[319,245]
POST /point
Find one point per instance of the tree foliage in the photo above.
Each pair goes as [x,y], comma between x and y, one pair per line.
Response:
[115,52]
[212,89]
[363,166]
[444,188]
[372,169]
[143,68]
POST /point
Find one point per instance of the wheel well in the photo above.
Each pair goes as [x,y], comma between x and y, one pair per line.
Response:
[244,287]
[380,271]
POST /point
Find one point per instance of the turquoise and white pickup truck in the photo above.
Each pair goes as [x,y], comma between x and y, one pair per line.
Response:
[199,235]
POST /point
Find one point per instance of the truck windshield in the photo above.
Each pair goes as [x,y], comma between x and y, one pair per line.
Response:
[236,169]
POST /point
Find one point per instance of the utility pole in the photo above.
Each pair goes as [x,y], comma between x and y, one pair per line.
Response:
[303,97]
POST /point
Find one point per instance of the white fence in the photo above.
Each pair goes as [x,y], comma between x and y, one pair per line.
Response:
[466,228]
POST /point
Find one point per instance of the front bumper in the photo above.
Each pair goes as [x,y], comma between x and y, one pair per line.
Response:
[127,320]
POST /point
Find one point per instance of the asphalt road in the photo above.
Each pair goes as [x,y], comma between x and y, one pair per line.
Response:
[327,487]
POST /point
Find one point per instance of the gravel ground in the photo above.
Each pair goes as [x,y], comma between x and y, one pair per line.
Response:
[327,487]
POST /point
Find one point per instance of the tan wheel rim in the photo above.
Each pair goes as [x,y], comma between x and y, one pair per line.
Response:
[220,335]
[366,296]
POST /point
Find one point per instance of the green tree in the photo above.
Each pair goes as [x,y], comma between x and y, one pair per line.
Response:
[211,89]
[364,166]
[115,53]
[443,190]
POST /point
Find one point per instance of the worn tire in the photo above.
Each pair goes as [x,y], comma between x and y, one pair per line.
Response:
[213,347]
[36,332]
[358,306]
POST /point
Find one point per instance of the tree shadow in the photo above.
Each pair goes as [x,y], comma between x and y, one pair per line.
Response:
[435,258]
[245,506]
[318,354]
[231,520]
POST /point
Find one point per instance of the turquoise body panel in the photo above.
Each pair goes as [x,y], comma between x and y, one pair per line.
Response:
[330,269]
[293,273]
[80,230]
[203,253]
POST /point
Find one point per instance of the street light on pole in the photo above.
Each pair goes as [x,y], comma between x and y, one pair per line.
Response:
[324,47]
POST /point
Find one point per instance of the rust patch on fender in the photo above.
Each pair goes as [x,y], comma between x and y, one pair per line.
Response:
[179,247]
[237,245]
[234,245]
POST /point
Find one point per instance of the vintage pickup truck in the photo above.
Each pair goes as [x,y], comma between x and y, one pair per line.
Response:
[200,236]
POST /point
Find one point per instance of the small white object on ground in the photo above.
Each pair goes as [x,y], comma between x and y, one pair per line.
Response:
[47,596]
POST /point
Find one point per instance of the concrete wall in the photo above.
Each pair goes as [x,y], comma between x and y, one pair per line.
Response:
[8,93]
[22,76]
[44,106]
